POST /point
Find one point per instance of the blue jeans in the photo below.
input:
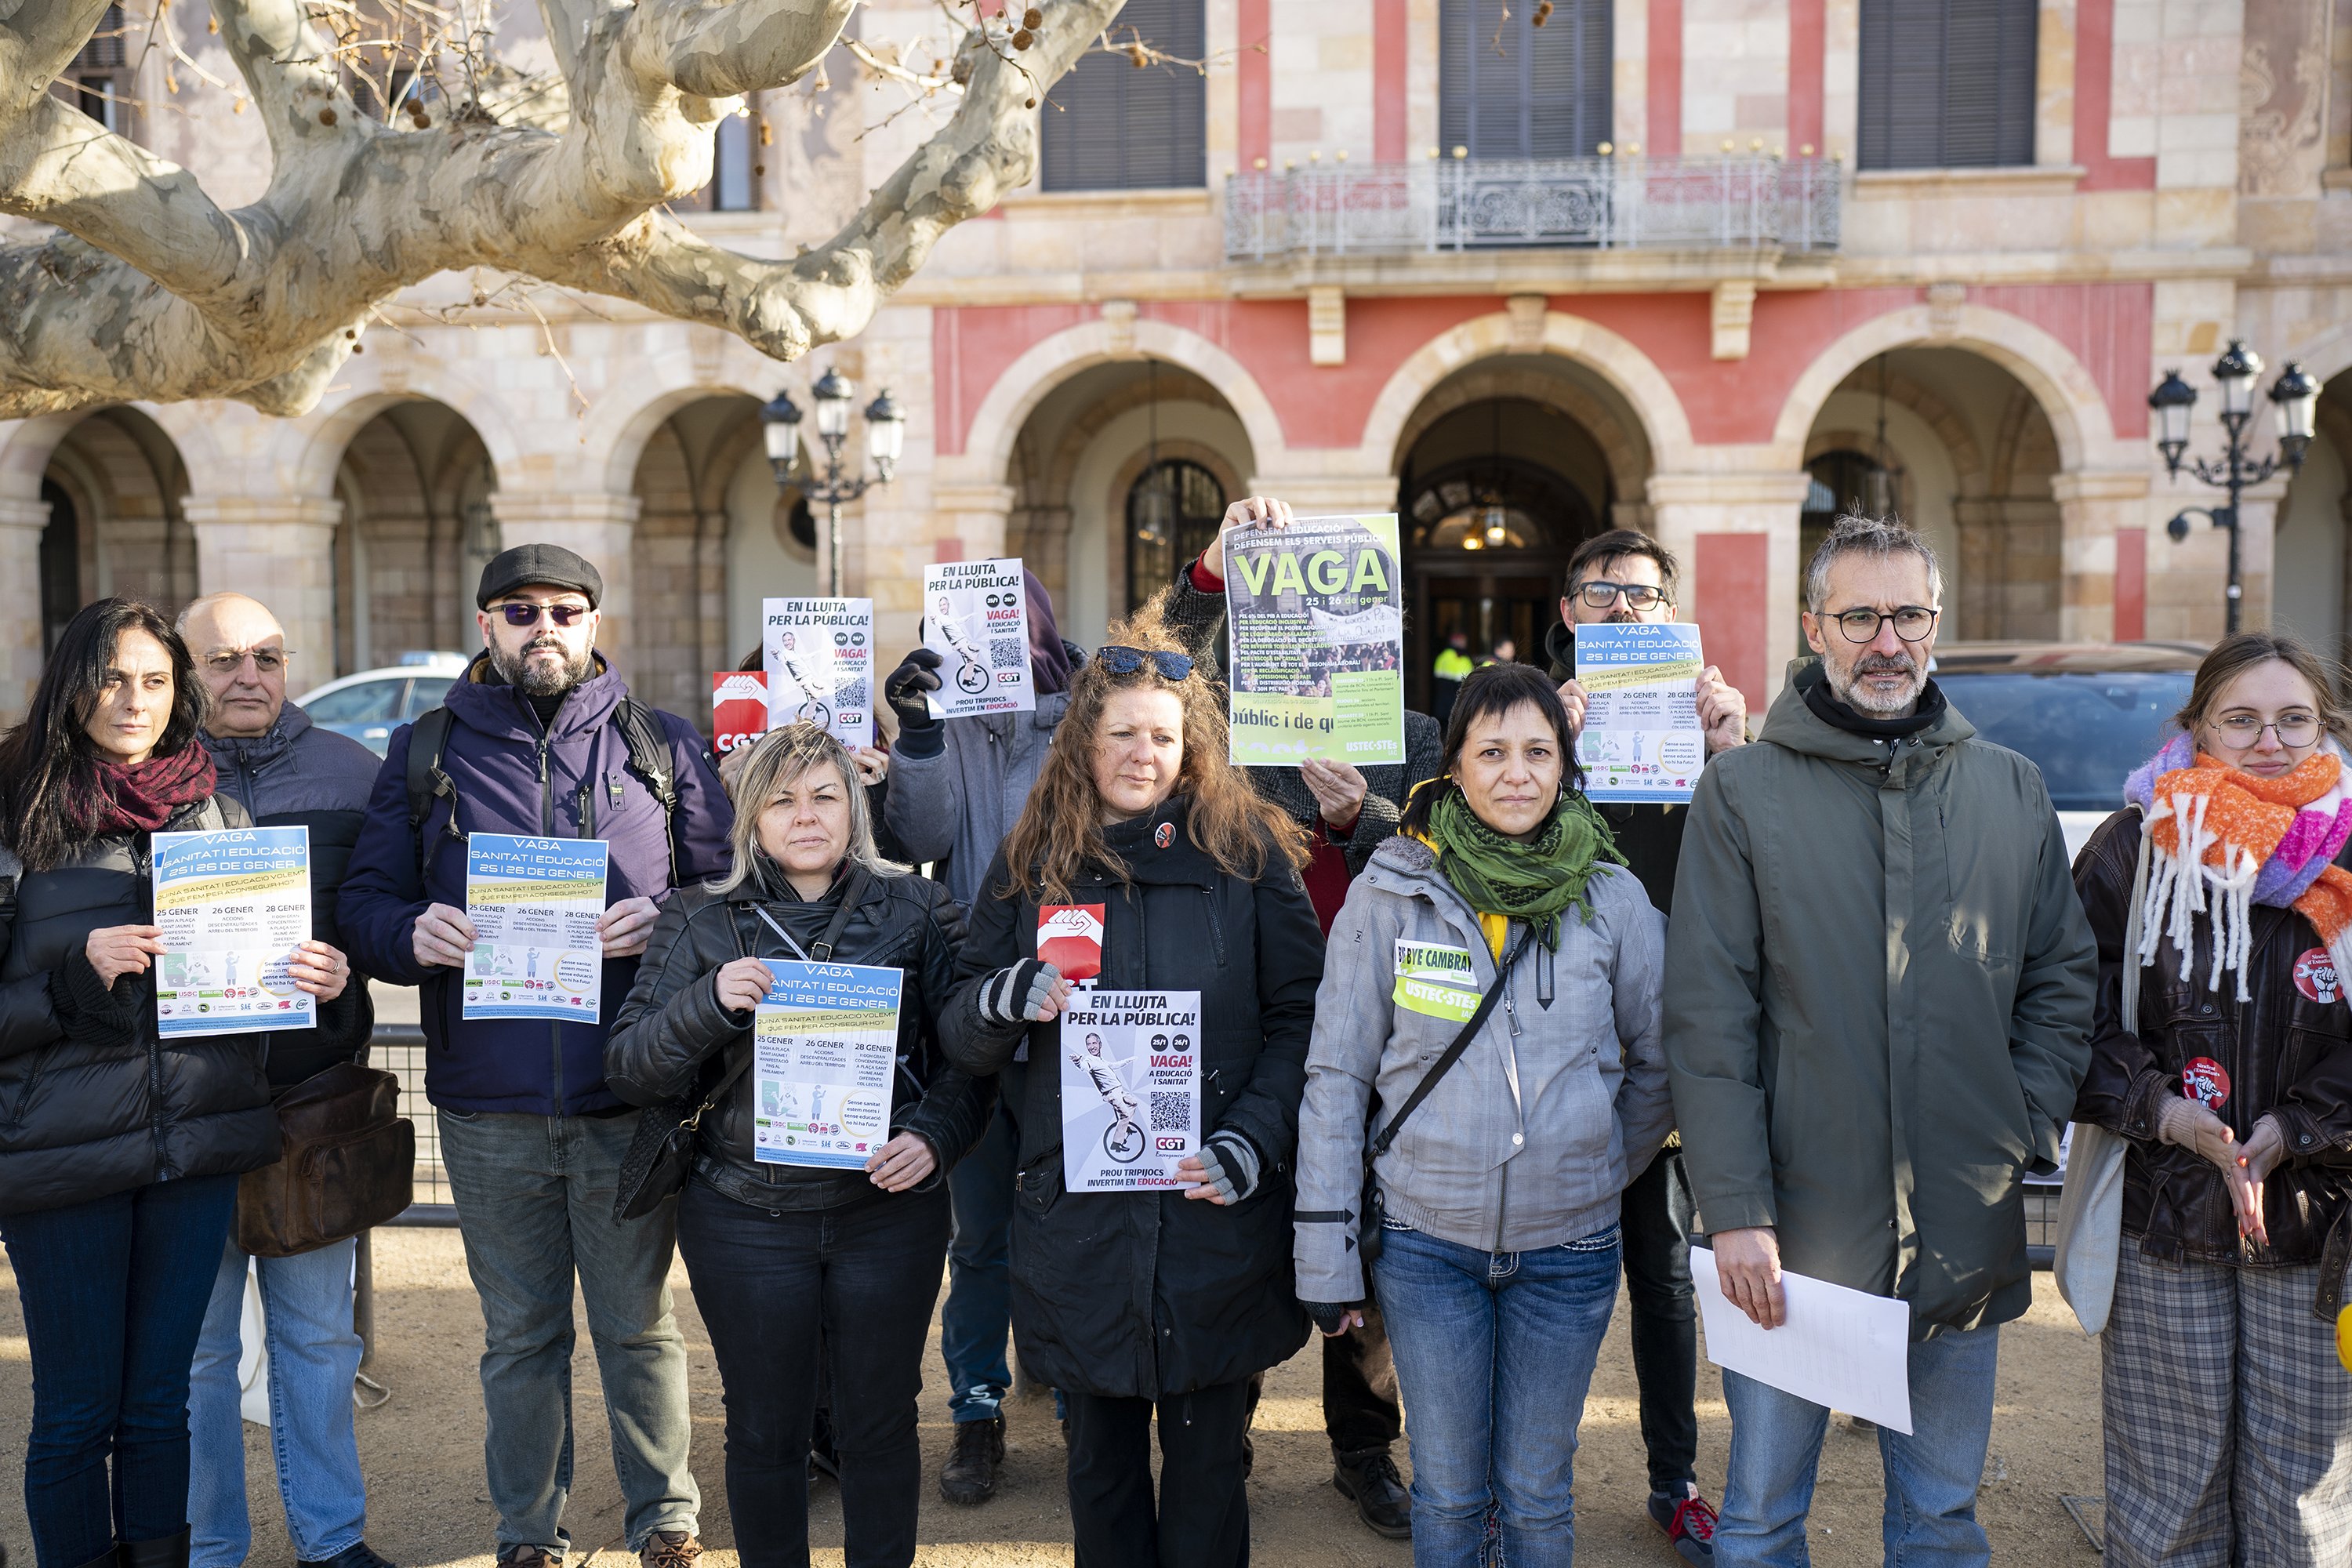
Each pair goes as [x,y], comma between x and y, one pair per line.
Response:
[976,1324]
[114,1292]
[1493,1353]
[306,1308]
[535,1207]
[1931,1476]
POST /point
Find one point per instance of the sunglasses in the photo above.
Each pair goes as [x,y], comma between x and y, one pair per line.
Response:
[523,615]
[1127,660]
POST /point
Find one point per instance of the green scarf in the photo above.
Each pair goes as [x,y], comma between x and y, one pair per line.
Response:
[1532,882]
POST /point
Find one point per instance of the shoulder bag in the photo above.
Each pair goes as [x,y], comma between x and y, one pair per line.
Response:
[661,1154]
[349,1165]
[2091,1208]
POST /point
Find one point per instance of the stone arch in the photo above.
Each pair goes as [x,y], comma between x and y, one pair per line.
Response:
[1907,392]
[621,430]
[306,453]
[1627,455]
[2065,391]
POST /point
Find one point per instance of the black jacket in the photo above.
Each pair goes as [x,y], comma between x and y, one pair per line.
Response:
[672,1034]
[1649,836]
[93,1100]
[300,776]
[2288,1054]
[1139,1295]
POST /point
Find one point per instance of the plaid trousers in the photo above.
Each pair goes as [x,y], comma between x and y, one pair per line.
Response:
[2229,1419]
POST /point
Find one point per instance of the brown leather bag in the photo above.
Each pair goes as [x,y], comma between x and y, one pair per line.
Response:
[350,1164]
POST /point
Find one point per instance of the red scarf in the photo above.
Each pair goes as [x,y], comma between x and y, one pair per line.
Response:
[141,797]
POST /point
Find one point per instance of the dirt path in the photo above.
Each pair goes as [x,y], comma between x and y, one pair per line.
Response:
[423,1452]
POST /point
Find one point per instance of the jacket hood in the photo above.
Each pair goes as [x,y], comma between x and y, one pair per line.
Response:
[482,701]
[1559,646]
[1793,725]
[258,751]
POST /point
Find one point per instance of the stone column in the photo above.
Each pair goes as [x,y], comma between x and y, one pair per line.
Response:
[595,523]
[2092,506]
[21,653]
[1329,495]
[1735,535]
[279,549]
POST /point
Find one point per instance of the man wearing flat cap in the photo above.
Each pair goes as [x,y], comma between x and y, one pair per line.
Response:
[539,737]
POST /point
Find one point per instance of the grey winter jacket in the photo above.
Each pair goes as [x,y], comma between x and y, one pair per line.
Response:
[1531,1137]
[957,802]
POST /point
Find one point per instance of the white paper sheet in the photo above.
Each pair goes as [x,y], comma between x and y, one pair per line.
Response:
[1842,1348]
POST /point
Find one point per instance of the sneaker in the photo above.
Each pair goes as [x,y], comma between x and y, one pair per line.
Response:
[970,1475]
[1371,1482]
[358,1554]
[1688,1521]
[669,1549]
[530,1557]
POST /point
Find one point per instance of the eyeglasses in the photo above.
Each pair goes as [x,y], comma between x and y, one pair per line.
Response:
[1599,594]
[2245,730]
[1912,623]
[266,660]
[520,613]
[1127,660]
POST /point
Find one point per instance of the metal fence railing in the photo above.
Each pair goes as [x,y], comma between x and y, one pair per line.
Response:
[399,1049]
[1735,202]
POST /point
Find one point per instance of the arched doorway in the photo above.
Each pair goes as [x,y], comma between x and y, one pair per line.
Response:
[416,484]
[2312,574]
[115,486]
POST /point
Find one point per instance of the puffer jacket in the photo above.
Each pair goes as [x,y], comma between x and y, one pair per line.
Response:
[958,786]
[672,1034]
[1530,1137]
[297,775]
[93,1099]
[2287,1051]
[1139,1295]
[570,779]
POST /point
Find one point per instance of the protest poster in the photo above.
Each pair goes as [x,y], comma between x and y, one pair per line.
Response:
[824,1043]
[1130,1088]
[739,708]
[534,904]
[232,904]
[976,619]
[819,659]
[1315,642]
[1642,739]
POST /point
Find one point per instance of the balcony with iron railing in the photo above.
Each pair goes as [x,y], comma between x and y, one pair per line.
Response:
[1732,203]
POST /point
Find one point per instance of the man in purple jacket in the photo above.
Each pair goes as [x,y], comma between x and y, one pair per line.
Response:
[537,743]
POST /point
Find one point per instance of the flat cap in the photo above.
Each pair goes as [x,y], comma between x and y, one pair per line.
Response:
[538,565]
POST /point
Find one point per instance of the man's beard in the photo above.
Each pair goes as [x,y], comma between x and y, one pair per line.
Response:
[539,678]
[1847,687]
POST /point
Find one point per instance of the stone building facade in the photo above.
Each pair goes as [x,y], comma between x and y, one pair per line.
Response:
[1387,275]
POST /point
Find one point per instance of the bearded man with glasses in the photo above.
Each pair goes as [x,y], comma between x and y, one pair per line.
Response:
[1878,1010]
[540,737]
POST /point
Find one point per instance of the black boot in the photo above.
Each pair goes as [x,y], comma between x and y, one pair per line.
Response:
[1368,1478]
[970,1474]
[171,1552]
[111,1558]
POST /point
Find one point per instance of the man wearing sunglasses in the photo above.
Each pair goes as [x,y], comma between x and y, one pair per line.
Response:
[540,737]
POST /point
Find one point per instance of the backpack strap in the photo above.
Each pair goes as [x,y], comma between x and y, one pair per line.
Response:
[426,779]
[649,757]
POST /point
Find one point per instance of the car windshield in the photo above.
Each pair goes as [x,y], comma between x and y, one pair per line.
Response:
[2086,731]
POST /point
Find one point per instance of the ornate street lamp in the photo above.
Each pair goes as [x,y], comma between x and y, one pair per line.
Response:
[2294,396]
[886,442]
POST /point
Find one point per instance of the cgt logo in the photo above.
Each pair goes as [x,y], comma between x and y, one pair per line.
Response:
[1170,1145]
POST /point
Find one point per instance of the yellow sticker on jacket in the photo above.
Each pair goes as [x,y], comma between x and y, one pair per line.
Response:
[1435,980]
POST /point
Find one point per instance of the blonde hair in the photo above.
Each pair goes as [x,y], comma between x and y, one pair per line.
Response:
[778,759]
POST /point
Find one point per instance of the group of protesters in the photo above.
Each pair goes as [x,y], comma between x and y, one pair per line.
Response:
[1475,1049]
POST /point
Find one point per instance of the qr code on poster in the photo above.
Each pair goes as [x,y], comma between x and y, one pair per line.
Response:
[1172,1112]
[1007,653]
[852,694]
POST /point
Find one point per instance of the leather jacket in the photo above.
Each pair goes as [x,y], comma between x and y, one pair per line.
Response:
[2287,1052]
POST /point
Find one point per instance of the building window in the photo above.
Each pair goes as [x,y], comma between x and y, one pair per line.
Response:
[1114,125]
[1509,88]
[100,77]
[736,165]
[1173,509]
[1947,84]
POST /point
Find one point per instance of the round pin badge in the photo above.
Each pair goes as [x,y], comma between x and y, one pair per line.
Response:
[1164,835]
[2315,976]
[2207,1082]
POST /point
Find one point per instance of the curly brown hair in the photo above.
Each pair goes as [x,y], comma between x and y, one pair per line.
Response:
[1060,829]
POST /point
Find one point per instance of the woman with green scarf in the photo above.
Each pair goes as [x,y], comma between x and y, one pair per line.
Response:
[1493,1205]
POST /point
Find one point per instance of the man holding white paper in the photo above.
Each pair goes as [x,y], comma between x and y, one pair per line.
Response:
[1877,1012]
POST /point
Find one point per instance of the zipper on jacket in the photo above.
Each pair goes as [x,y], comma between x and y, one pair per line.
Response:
[547,830]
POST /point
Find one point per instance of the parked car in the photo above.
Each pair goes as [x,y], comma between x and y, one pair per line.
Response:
[2087,713]
[369,706]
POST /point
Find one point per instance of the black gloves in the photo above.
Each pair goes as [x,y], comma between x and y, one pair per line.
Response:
[903,690]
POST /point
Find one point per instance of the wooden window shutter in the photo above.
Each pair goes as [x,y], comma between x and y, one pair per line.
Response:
[1947,84]
[1110,126]
[1507,89]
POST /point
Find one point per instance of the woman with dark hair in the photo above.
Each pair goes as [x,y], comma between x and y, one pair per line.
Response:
[782,1254]
[2228,1421]
[119,1151]
[1136,1303]
[1499,1194]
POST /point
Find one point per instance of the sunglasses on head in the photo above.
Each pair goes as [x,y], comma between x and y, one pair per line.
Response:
[519,613]
[1127,660]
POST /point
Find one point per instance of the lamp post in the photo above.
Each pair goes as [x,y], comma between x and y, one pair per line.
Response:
[2293,397]
[885,440]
